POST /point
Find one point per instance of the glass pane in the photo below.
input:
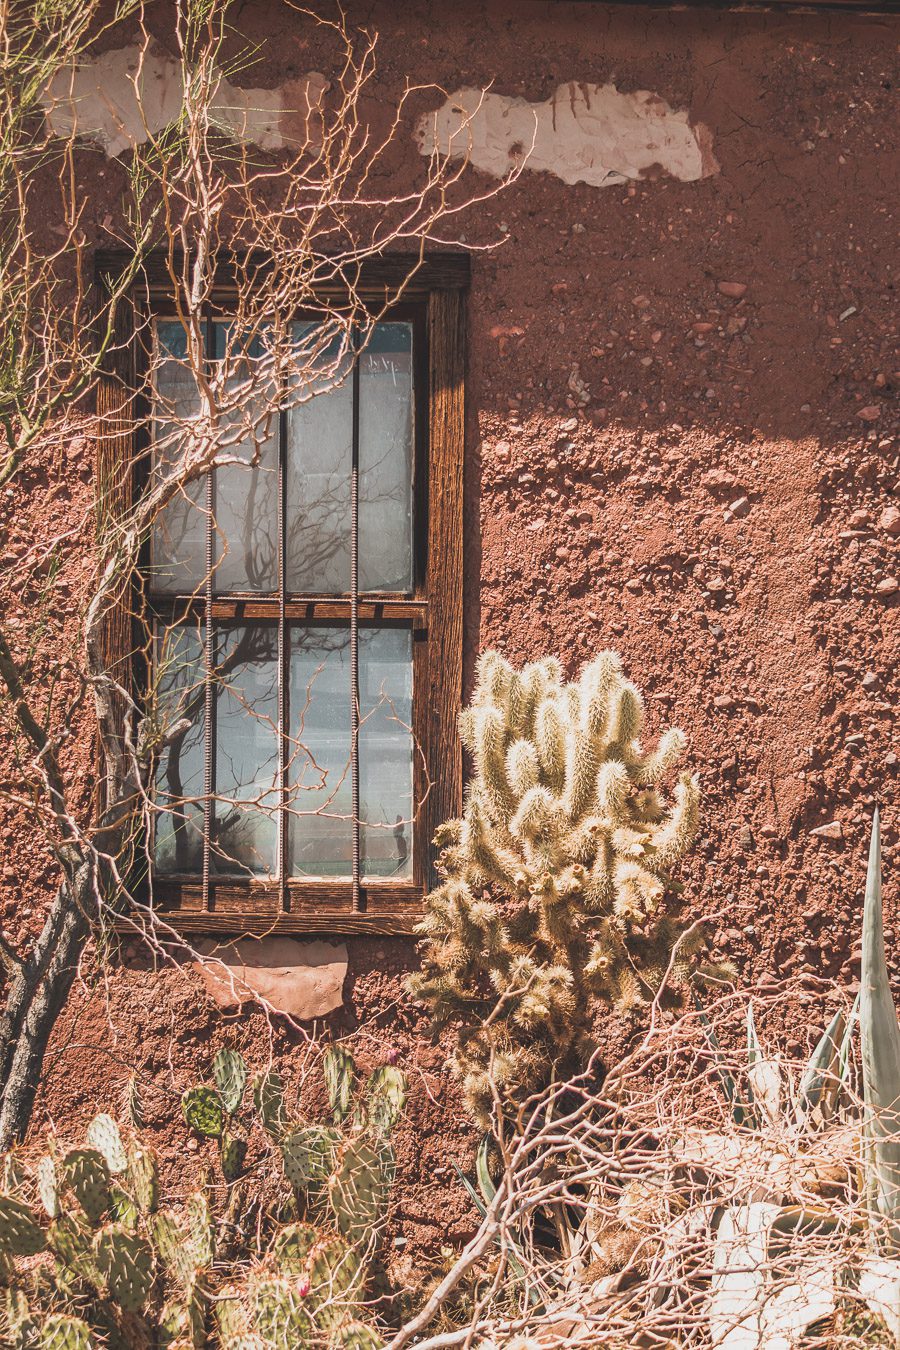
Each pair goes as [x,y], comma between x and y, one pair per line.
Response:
[178,832]
[246,764]
[386,460]
[178,543]
[320,828]
[386,751]
[246,499]
[320,834]
[319,451]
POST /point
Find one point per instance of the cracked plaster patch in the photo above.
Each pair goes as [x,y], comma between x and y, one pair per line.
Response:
[121,97]
[583,133]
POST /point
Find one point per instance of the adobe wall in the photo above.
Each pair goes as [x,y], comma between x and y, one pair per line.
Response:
[682,442]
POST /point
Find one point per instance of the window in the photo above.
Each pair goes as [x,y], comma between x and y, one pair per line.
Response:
[306,619]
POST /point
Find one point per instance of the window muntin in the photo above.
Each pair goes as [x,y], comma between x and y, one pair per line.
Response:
[260,786]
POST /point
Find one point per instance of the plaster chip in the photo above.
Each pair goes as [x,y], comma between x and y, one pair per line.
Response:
[584,133]
[304,980]
[121,98]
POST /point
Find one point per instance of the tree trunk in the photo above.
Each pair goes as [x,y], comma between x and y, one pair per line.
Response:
[36,998]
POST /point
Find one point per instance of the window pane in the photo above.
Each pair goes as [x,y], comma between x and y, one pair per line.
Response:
[386,460]
[319,450]
[246,763]
[320,832]
[178,543]
[320,827]
[246,499]
[178,829]
[385,751]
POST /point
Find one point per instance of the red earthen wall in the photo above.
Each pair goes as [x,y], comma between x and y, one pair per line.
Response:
[768,631]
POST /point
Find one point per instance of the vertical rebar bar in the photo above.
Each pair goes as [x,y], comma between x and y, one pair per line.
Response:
[354,629]
[208,659]
[283,663]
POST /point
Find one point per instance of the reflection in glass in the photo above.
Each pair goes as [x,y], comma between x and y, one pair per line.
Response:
[386,460]
[178,543]
[178,832]
[246,498]
[246,744]
[317,487]
[320,832]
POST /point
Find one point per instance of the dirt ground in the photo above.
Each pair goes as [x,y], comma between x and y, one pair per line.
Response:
[707,482]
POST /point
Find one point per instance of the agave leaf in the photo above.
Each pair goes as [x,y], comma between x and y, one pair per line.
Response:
[880,1037]
[821,1082]
[747,1311]
[754,1049]
[482,1170]
[879,1286]
[844,1058]
[741,1115]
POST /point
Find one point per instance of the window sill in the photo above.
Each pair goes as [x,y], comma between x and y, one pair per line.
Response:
[305,907]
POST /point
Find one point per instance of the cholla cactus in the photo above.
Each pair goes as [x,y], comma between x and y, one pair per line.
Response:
[556,876]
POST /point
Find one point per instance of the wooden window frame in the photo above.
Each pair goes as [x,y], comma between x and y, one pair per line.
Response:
[436,286]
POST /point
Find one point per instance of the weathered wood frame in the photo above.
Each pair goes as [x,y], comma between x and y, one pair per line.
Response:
[438,284]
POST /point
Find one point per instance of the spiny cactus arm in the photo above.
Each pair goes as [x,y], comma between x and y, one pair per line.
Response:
[675,835]
[550,735]
[523,766]
[670,747]
[485,853]
[612,791]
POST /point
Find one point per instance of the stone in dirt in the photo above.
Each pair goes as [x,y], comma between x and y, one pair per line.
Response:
[830,831]
[300,979]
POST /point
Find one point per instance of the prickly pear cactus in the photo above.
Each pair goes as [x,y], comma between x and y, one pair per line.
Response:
[20,1234]
[308,1156]
[358,1188]
[268,1098]
[204,1112]
[339,1069]
[84,1175]
[125,1264]
[59,1332]
[103,1134]
[556,884]
[143,1177]
[230,1076]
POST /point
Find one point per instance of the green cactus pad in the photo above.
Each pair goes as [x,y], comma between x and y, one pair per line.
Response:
[292,1246]
[125,1263]
[199,1227]
[358,1187]
[230,1076]
[388,1089]
[334,1279]
[20,1234]
[232,1316]
[339,1071]
[268,1098]
[357,1336]
[204,1112]
[308,1156]
[279,1312]
[16,1323]
[232,1151]
[143,1177]
[123,1208]
[103,1135]
[46,1185]
[69,1237]
[84,1174]
[66,1333]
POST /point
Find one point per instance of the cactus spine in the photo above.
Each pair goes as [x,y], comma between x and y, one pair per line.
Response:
[555,879]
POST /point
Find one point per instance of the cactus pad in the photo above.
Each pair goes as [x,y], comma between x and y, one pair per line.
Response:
[334,1279]
[292,1247]
[358,1187]
[125,1263]
[204,1112]
[268,1098]
[103,1135]
[308,1156]
[66,1333]
[20,1234]
[357,1336]
[232,1151]
[143,1178]
[339,1069]
[46,1185]
[84,1174]
[279,1312]
[230,1076]
[388,1089]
